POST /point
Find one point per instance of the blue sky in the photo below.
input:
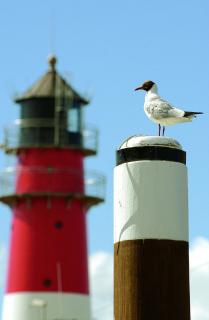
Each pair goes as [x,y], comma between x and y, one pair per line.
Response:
[105,49]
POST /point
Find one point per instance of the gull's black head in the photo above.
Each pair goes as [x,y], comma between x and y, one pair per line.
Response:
[147,85]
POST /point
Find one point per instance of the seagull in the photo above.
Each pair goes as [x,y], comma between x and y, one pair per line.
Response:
[160,111]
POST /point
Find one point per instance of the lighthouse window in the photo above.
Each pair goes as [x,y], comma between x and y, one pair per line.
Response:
[47,283]
[74,119]
[58,224]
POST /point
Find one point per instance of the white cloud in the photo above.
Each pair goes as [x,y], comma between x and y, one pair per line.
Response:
[101,280]
[199,279]
[101,283]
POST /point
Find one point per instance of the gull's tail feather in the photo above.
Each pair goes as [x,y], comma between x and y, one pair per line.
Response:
[191,114]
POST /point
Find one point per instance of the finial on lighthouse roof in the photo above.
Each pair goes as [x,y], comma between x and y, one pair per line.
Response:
[52,60]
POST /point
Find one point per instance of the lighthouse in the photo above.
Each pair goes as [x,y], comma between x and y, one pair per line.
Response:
[49,193]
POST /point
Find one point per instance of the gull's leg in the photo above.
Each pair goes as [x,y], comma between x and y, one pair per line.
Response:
[163,131]
[159,129]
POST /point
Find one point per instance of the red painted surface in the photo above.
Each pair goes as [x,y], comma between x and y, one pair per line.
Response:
[39,249]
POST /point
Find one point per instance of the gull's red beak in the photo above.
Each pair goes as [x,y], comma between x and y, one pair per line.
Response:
[139,88]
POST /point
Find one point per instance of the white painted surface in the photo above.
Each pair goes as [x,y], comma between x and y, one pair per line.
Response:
[143,141]
[150,201]
[51,306]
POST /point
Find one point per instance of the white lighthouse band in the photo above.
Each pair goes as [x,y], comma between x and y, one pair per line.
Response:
[51,305]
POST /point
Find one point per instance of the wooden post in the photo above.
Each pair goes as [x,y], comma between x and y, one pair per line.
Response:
[151,263]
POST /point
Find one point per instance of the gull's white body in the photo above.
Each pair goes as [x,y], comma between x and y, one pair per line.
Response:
[161,111]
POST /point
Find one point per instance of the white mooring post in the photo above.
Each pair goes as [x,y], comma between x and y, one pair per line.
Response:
[151,262]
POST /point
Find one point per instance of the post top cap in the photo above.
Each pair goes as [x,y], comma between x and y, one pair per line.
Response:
[145,141]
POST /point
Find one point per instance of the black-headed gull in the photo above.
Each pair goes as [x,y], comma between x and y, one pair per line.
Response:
[160,111]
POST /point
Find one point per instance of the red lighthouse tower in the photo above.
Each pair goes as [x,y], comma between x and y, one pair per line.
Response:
[49,193]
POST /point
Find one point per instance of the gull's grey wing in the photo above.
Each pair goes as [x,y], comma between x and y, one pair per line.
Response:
[160,108]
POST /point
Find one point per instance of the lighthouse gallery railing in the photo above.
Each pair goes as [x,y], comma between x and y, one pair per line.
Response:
[42,181]
[13,135]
